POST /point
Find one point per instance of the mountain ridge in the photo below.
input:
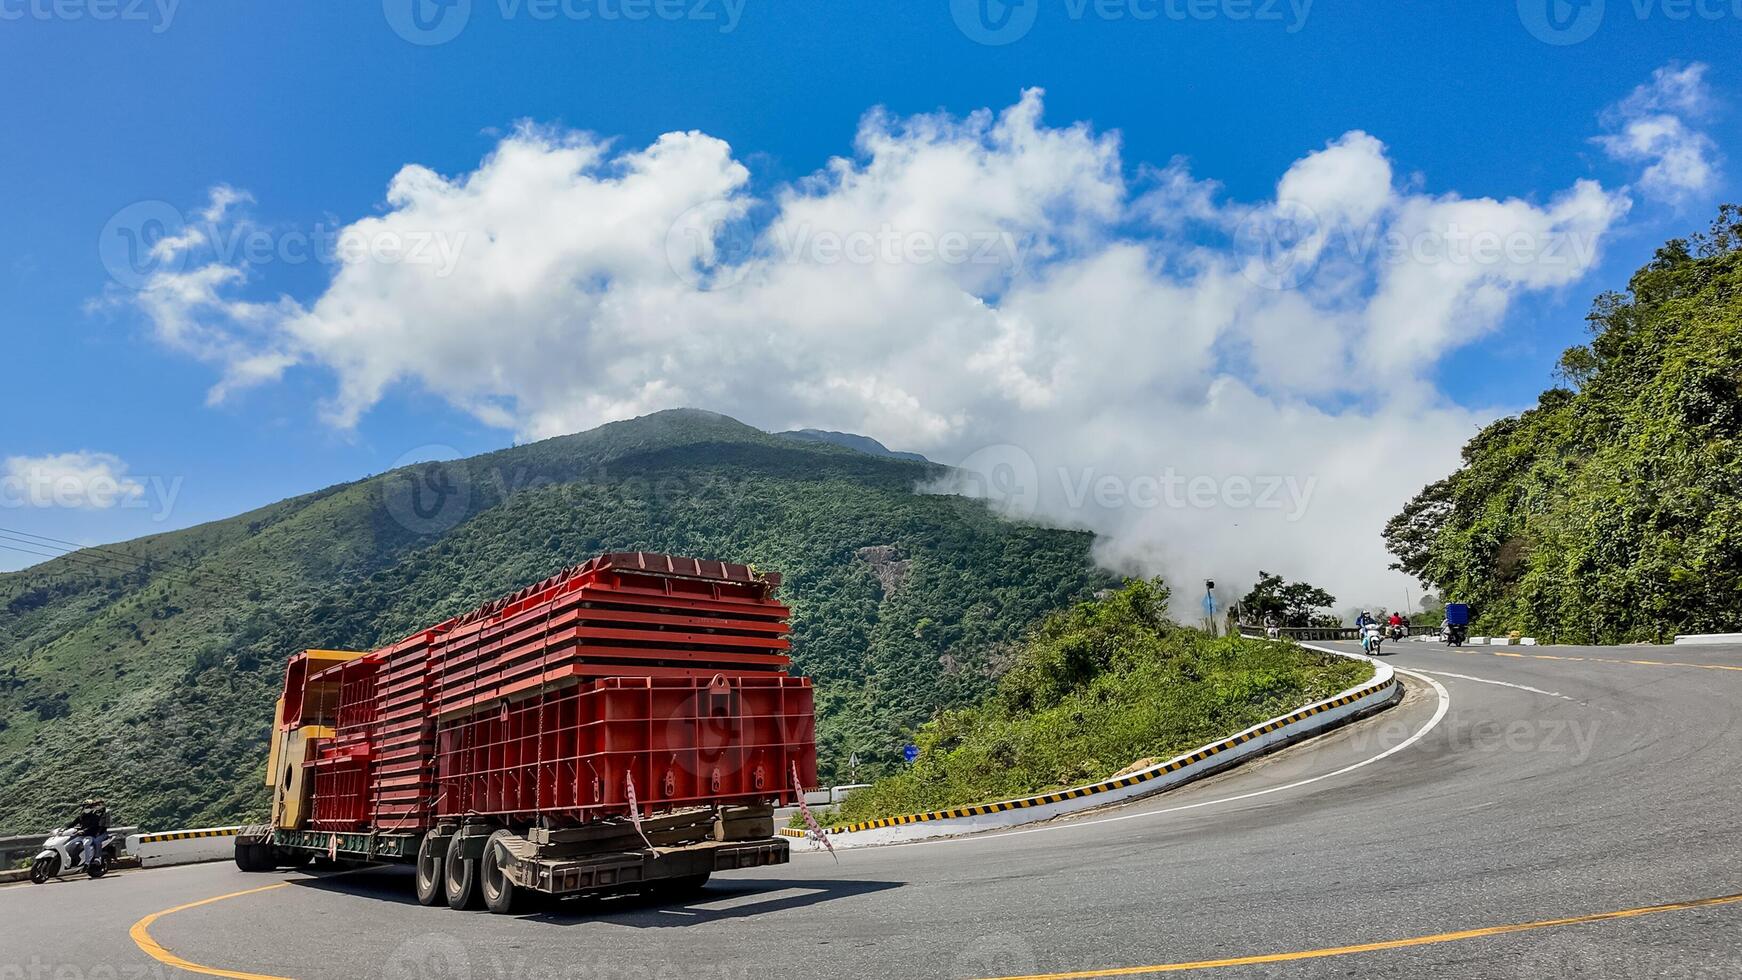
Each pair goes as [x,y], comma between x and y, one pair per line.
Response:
[148,678]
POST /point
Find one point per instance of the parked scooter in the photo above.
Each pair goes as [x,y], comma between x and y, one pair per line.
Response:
[64,854]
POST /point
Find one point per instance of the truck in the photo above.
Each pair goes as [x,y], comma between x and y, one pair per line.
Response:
[626,725]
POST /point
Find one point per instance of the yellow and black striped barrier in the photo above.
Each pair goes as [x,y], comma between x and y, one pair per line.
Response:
[1121,782]
[189,835]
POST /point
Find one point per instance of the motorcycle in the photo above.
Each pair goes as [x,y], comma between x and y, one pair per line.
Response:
[64,854]
[1372,639]
[1398,632]
[1457,624]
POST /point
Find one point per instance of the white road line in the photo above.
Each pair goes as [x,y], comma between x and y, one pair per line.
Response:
[1484,680]
[1439,715]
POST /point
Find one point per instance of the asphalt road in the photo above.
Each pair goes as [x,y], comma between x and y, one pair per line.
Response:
[1545,784]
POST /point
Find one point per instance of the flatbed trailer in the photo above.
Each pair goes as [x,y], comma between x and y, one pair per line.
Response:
[495,867]
[627,725]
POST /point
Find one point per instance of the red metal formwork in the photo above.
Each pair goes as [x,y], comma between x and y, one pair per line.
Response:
[668,672]
[340,773]
[621,615]
[578,753]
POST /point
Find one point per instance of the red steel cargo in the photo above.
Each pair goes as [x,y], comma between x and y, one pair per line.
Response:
[633,682]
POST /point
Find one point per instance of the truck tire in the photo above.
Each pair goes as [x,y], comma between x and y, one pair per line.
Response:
[252,857]
[460,879]
[501,895]
[431,889]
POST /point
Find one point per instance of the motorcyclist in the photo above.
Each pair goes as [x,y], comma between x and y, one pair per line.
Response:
[1396,620]
[1364,619]
[91,826]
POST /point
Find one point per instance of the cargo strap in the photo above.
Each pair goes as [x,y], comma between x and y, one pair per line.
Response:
[635,813]
[810,822]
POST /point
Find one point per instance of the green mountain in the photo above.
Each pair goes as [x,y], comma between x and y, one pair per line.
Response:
[1612,511]
[864,444]
[146,671]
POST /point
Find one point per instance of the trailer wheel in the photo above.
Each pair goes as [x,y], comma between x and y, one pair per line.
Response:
[252,857]
[431,890]
[501,895]
[460,879]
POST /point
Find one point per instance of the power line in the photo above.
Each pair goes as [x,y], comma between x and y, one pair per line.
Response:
[133,565]
[60,544]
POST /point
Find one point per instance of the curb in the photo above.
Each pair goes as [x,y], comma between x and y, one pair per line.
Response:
[184,846]
[1190,767]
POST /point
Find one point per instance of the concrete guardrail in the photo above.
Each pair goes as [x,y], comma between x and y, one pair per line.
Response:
[1380,692]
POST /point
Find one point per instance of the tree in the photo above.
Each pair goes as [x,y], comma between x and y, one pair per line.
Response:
[1293,603]
[1608,512]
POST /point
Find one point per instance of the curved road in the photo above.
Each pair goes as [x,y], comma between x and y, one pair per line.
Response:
[1532,785]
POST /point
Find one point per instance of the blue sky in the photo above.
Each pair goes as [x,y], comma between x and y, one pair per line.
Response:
[311,109]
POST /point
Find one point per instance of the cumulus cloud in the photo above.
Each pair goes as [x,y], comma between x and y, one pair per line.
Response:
[82,480]
[1212,385]
[1656,126]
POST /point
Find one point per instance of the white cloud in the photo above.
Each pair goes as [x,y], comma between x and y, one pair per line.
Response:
[1160,355]
[82,480]
[1654,126]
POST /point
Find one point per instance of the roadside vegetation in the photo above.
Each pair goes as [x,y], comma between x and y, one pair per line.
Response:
[1610,511]
[1097,688]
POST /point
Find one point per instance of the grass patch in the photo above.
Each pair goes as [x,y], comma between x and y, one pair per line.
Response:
[1097,688]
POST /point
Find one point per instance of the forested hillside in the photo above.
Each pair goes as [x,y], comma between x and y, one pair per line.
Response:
[1612,511]
[146,671]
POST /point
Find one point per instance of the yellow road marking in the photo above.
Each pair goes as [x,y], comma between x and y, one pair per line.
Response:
[1444,937]
[141,933]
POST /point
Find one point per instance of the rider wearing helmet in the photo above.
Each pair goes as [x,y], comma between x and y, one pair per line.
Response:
[92,827]
[1364,619]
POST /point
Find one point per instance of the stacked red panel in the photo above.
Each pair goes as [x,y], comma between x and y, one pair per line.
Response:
[633,673]
[581,753]
[403,778]
[620,615]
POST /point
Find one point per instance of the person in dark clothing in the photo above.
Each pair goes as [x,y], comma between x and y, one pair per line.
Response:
[92,827]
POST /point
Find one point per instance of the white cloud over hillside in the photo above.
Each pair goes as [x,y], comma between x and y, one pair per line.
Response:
[1214,385]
